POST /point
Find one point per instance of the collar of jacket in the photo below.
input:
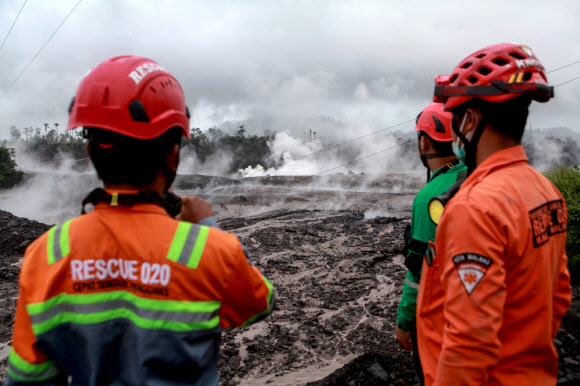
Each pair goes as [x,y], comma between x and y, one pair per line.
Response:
[143,207]
[496,161]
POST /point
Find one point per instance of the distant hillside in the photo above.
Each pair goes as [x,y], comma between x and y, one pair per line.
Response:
[556,132]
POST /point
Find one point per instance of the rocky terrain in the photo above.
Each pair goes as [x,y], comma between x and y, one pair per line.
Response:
[332,255]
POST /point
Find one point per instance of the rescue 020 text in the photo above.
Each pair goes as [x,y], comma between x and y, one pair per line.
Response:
[134,270]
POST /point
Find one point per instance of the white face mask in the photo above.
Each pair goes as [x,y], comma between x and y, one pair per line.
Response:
[460,151]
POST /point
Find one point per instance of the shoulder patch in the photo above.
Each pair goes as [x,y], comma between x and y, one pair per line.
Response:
[547,220]
[436,208]
[471,269]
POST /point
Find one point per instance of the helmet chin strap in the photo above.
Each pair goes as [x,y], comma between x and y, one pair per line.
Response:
[470,146]
[425,157]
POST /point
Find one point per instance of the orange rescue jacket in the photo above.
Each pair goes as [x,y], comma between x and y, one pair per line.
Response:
[130,295]
[491,303]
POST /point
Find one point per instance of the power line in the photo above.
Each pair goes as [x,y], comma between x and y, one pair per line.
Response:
[352,140]
[39,51]
[401,144]
[370,155]
[402,123]
[568,81]
[559,68]
[10,30]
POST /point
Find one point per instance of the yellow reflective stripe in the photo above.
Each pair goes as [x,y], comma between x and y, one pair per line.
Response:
[114,199]
[269,304]
[21,369]
[58,243]
[519,78]
[64,240]
[195,256]
[50,245]
[178,241]
[188,244]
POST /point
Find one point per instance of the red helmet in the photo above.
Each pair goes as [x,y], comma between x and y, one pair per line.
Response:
[435,122]
[131,96]
[495,74]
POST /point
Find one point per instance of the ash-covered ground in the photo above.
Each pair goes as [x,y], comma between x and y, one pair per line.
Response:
[330,246]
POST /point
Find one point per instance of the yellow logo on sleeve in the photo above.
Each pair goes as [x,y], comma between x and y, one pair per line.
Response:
[436,208]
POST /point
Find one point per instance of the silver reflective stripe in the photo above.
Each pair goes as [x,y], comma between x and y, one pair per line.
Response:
[34,377]
[146,313]
[187,249]
[411,284]
[56,244]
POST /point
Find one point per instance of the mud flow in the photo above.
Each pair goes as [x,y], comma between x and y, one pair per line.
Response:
[331,248]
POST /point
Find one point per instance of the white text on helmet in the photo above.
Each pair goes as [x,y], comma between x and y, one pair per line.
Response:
[143,70]
[525,63]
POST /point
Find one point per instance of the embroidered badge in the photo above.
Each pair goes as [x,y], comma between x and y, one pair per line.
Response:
[547,220]
[471,269]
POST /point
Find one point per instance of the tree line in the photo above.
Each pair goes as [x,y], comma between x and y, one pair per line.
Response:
[50,144]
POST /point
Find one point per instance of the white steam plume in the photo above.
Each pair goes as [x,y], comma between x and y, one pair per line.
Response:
[294,157]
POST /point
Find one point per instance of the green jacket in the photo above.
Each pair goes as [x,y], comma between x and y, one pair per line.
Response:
[423,231]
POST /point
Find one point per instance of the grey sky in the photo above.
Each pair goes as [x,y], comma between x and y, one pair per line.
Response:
[342,67]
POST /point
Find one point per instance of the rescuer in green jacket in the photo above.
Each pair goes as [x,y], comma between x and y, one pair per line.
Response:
[433,128]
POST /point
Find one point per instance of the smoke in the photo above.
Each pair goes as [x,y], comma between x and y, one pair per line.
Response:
[52,191]
[217,164]
[295,157]
[548,148]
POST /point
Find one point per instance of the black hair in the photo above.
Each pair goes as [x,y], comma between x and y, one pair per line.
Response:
[507,118]
[123,160]
[443,148]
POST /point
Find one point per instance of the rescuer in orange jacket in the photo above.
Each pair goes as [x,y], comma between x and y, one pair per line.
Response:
[126,294]
[495,286]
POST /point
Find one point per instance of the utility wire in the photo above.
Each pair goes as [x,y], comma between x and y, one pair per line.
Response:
[10,30]
[39,51]
[370,155]
[352,140]
[403,143]
[559,68]
[568,81]
[402,123]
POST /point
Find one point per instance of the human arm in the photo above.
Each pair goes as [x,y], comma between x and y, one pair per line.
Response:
[247,296]
[406,314]
[194,210]
[562,295]
[470,253]
[27,364]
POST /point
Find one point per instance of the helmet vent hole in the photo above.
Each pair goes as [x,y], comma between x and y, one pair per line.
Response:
[484,70]
[500,61]
[138,112]
[453,78]
[152,89]
[480,56]
[516,55]
[527,76]
[466,65]
[472,79]
[106,96]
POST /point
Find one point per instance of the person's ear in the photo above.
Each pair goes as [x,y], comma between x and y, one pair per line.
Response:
[172,159]
[423,144]
[470,120]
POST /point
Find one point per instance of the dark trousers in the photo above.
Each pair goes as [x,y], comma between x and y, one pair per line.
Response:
[416,359]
